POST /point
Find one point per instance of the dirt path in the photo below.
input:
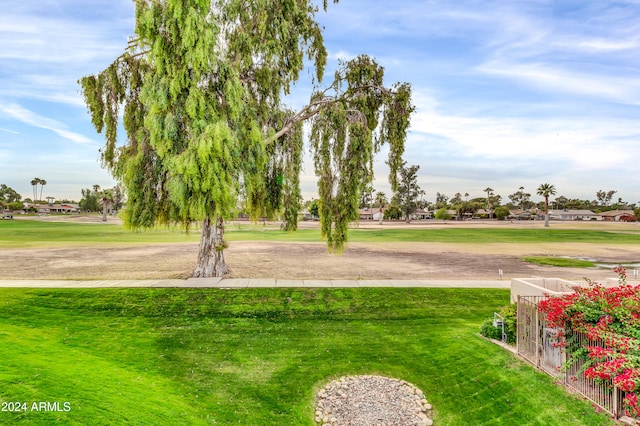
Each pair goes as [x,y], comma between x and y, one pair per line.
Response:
[250,259]
[310,260]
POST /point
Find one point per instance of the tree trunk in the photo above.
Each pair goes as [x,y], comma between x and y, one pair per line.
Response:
[104,211]
[546,212]
[211,257]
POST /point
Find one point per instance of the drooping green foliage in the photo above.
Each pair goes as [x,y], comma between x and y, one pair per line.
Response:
[201,87]
[345,135]
[279,185]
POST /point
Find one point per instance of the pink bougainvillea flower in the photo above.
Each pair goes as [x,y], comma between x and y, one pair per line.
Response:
[610,319]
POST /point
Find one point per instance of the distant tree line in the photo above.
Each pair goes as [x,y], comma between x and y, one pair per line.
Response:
[409,198]
[93,200]
[104,200]
[402,205]
[9,198]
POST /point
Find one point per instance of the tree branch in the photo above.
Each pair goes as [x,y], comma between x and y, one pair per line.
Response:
[316,106]
[135,55]
[304,114]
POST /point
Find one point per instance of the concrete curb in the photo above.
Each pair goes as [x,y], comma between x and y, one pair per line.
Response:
[254,283]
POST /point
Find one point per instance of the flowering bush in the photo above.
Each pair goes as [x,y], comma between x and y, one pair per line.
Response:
[610,318]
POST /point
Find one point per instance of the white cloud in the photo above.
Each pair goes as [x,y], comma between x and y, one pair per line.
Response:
[507,93]
[341,55]
[28,117]
[69,95]
[382,20]
[549,78]
[608,45]
[44,54]
[585,50]
[578,142]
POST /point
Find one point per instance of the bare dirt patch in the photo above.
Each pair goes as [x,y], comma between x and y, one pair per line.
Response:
[309,261]
[249,259]
[110,262]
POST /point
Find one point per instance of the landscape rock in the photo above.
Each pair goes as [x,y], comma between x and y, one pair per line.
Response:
[371,400]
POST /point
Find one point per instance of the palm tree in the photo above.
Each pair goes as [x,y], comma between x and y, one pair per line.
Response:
[381,199]
[422,203]
[489,192]
[106,197]
[34,184]
[42,184]
[546,190]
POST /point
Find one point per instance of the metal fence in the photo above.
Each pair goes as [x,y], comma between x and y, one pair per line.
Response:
[537,343]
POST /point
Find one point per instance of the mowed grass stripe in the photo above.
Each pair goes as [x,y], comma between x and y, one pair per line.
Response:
[28,233]
[40,364]
[560,261]
[257,356]
[34,233]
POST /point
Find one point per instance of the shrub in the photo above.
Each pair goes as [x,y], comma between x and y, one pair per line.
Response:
[510,325]
[501,212]
[489,331]
[16,205]
[393,212]
[443,214]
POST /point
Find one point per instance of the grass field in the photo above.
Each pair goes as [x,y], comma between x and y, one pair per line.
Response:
[33,233]
[559,261]
[196,356]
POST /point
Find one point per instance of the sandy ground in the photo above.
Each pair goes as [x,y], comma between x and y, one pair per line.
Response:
[311,260]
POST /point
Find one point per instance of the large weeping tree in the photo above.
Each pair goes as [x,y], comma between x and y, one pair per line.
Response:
[199,90]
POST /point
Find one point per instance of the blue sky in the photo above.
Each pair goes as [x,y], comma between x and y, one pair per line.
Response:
[508,93]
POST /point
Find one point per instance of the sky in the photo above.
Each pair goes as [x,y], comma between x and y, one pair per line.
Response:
[508,93]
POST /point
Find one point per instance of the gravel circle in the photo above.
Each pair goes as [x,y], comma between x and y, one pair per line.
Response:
[371,400]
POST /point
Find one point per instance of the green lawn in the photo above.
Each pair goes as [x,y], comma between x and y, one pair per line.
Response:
[559,261]
[210,356]
[33,233]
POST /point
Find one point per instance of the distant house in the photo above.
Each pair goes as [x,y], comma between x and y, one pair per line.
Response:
[567,214]
[306,215]
[480,213]
[421,214]
[374,213]
[54,208]
[521,214]
[618,215]
[628,218]
[67,208]
[370,213]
